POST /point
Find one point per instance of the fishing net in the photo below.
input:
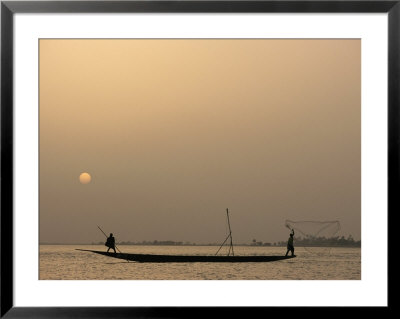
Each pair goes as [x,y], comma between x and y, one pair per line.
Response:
[317,237]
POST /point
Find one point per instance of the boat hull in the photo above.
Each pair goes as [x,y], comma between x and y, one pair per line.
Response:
[147,258]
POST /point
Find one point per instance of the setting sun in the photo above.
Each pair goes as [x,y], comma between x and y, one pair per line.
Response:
[85,178]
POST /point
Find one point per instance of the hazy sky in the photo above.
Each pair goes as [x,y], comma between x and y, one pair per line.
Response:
[173,132]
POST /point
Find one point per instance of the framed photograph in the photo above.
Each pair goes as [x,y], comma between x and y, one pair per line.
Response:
[177,158]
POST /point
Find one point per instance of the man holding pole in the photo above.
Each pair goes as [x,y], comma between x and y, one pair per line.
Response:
[111,243]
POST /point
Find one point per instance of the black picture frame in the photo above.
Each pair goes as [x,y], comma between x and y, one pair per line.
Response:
[9,8]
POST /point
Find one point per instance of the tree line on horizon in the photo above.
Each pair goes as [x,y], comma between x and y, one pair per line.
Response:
[314,241]
[310,241]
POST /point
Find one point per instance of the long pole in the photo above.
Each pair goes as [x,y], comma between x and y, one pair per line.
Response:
[230,233]
[222,245]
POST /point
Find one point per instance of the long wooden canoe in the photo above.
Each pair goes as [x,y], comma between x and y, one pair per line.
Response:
[146,258]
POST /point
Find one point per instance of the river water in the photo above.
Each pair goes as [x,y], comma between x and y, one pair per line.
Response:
[64,262]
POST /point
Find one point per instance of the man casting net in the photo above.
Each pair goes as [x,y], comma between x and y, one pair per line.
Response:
[317,237]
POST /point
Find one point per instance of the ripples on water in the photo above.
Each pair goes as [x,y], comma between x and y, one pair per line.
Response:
[64,262]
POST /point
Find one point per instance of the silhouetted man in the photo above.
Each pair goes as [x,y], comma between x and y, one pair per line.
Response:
[290,246]
[111,243]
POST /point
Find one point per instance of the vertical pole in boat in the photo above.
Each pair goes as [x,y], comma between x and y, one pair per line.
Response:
[230,234]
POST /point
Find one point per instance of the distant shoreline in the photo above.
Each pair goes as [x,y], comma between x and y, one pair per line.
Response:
[200,245]
[310,241]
